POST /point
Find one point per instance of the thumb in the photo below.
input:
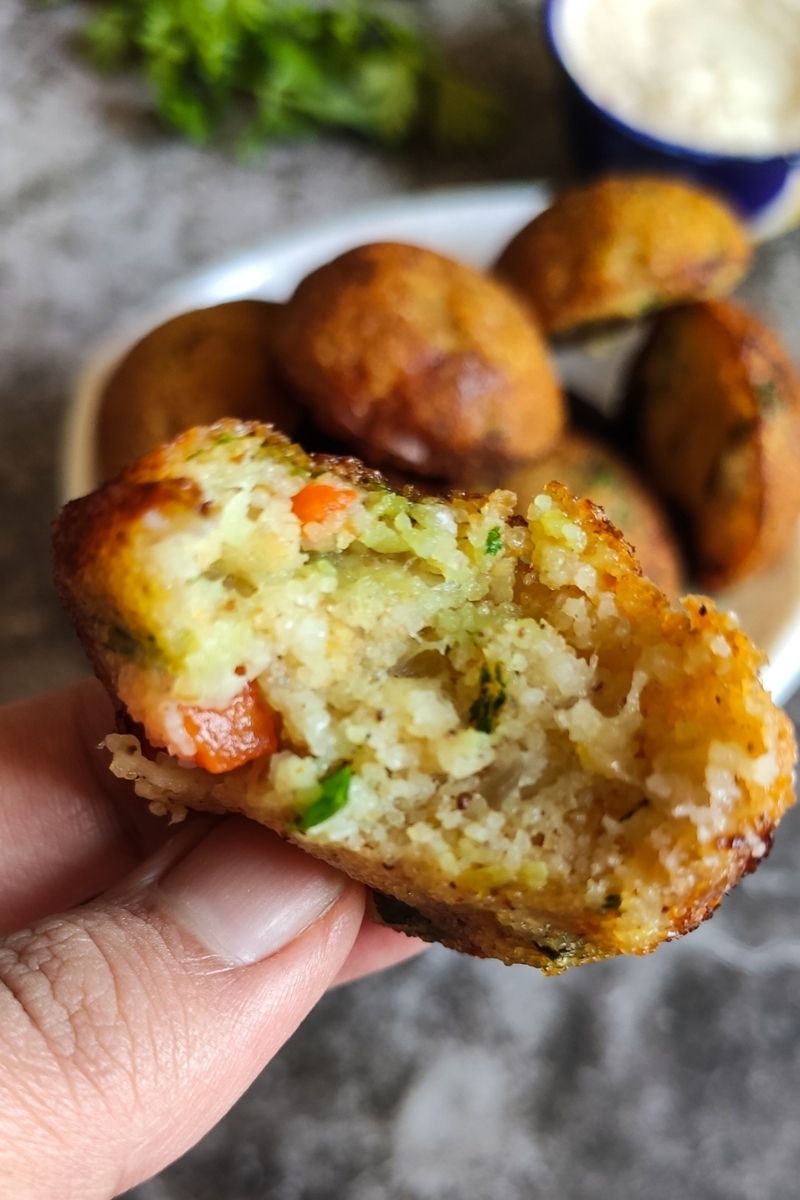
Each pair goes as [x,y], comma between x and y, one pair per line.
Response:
[129,1026]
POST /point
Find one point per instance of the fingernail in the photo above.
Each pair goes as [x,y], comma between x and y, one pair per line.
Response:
[244,894]
[164,859]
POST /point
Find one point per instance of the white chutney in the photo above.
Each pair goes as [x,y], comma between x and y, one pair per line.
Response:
[716,75]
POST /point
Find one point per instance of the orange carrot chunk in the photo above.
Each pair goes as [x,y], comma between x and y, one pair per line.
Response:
[316,502]
[229,737]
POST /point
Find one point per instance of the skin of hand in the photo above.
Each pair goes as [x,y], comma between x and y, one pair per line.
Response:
[146,975]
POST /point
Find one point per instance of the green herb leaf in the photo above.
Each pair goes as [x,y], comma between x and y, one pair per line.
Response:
[494,541]
[121,641]
[267,69]
[651,304]
[333,794]
[491,698]
[768,396]
[600,474]
[108,37]
[139,648]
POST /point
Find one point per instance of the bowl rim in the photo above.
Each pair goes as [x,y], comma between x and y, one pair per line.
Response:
[787,158]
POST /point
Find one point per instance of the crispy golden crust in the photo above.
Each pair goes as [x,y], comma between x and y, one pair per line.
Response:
[588,468]
[545,928]
[401,900]
[621,247]
[714,409]
[517,936]
[420,362]
[87,539]
[193,370]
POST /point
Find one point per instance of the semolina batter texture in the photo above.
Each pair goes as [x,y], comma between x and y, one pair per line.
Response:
[492,720]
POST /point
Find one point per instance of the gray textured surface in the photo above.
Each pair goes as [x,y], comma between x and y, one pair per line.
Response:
[676,1076]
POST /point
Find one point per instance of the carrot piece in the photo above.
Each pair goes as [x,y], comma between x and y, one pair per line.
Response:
[314,503]
[229,737]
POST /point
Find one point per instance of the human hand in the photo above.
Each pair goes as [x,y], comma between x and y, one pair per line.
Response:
[175,967]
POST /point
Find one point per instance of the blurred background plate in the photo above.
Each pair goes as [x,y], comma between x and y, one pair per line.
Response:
[472,224]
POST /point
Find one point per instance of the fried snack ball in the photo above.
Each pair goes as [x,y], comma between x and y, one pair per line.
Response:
[202,365]
[713,407]
[495,722]
[588,468]
[622,247]
[420,362]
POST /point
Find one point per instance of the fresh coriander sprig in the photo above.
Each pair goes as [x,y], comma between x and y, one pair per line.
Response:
[491,697]
[494,541]
[275,69]
[333,794]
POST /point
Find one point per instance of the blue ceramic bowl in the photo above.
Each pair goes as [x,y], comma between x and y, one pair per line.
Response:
[759,187]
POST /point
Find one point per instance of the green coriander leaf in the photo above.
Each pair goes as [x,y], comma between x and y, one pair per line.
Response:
[600,474]
[651,304]
[490,699]
[387,92]
[333,795]
[250,14]
[108,37]
[121,641]
[187,113]
[139,648]
[768,396]
[494,541]
[160,34]
[267,69]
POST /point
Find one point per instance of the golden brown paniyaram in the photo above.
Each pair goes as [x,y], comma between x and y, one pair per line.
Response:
[493,721]
[420,362]
[588,468]
[622,247]
[713,409]
[195,368]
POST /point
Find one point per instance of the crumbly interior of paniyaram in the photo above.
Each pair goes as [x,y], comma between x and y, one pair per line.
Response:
[494,722]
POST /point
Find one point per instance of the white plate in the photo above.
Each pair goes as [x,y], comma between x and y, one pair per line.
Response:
[468,223]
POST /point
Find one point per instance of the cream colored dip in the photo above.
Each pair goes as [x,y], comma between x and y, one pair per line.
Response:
[718,75]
